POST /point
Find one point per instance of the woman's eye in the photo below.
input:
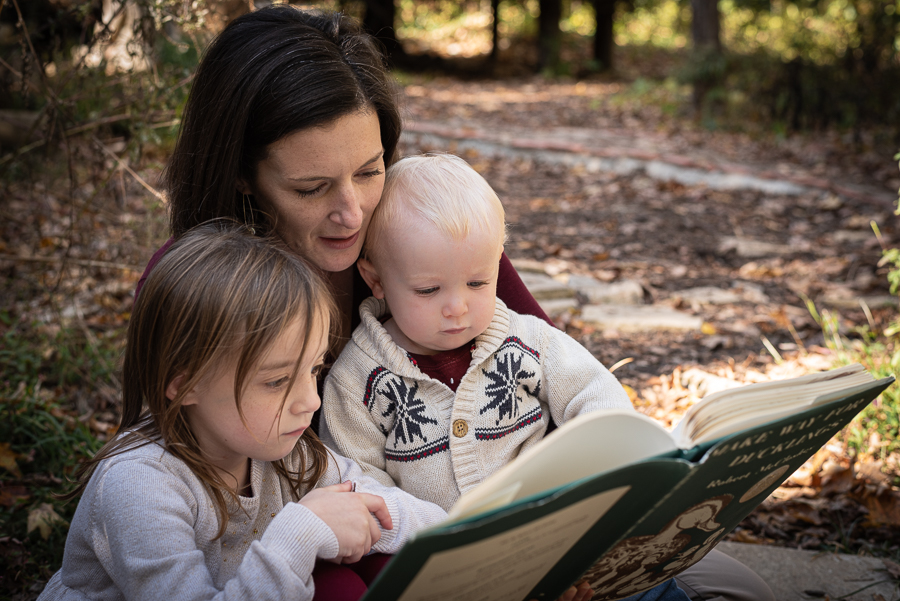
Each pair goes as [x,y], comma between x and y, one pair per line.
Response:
[278,383]
[426,291]
[308,193]
[373,173]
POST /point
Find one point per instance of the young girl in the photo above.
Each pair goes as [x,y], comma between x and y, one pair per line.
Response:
[215,486]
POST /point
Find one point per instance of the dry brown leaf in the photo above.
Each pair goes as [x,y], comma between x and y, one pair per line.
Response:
[884,509]
[10,495]
[43,518]
[893,568]
[8,460]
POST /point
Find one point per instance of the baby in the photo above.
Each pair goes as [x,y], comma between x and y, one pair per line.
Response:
[441,385]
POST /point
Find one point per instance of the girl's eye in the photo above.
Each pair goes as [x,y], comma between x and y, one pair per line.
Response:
[317,370]
[308,193]
[278,383]
[427,291]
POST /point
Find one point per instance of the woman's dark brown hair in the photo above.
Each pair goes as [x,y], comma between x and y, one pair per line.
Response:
[219,295]
[268,74]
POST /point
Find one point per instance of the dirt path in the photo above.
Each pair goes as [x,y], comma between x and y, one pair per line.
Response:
[736,231]
[675,216]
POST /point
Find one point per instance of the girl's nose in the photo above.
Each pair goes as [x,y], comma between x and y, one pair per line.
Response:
[304,397]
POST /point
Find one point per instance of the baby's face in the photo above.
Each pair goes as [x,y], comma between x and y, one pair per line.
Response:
[441,293]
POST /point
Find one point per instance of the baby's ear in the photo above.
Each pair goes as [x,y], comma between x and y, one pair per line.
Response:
[370,275]
[174,387]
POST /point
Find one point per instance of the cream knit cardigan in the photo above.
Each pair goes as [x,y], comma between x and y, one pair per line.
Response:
[408,429]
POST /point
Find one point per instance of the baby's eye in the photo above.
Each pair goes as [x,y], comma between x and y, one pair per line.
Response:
[477,284]
[427,291]
[308,193]
[278,383]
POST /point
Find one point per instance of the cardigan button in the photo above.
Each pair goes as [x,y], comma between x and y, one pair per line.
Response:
[460,428]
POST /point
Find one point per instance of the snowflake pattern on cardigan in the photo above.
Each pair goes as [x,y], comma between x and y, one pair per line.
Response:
[413,432]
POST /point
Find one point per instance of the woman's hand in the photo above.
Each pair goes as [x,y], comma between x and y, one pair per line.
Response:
[580,591]
[351,516]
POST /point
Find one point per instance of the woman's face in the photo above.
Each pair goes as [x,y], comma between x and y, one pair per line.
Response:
[320,185]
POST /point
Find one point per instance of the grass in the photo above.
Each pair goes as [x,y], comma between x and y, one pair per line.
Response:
[875,432]
[42,440]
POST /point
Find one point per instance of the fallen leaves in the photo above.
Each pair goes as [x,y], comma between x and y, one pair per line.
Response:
[43,518]
[8,459]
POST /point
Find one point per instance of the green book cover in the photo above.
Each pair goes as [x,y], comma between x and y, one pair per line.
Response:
[624,529]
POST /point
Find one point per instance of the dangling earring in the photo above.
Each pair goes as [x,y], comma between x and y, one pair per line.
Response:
[249,222]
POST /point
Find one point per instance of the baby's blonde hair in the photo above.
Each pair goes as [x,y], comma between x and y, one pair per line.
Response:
[442,189]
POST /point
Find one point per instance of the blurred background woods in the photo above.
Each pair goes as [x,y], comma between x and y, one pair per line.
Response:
[794,64]
[91,92]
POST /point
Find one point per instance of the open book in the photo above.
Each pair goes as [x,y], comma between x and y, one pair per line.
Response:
[615,498]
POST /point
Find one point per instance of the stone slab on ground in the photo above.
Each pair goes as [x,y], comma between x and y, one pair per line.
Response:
[623,292]
[555,307]
[801,575]
[543,287]
[641,318]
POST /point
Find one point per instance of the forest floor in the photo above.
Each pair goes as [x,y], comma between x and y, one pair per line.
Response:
[801,229]
[72,248]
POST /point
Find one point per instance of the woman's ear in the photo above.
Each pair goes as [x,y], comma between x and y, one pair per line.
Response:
[370,275]
[242,186]
[175,386]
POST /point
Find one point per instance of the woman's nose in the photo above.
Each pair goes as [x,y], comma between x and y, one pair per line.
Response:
[346,210]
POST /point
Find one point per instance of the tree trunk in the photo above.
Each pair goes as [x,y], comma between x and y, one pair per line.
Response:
[379,21]
[705,25]
[549,34]
[707,46]
[495,34]
[604,11]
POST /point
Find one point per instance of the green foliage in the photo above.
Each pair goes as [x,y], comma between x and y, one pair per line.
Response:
[42,440]
[664,24]
[800,94]
[876,430]
[880,354]
[797,64]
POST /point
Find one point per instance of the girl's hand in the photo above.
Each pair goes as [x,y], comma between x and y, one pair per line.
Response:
[580,591]
[350,517]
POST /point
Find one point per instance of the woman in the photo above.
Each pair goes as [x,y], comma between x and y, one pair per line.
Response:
[289,126]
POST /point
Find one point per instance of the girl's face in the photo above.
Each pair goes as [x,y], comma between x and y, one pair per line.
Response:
[321,185]
[272,424]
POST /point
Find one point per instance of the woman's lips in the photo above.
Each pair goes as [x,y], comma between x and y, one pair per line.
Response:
[340,243]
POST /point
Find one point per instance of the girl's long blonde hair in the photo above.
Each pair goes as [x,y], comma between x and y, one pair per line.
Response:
[218,294]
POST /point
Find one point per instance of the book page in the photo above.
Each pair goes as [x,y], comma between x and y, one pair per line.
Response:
[736,409]
[507,566]
[585,445]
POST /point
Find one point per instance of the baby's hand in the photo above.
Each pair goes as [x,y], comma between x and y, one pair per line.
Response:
[350,517]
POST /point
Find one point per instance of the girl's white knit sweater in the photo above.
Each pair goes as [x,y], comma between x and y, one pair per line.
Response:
[145,529]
